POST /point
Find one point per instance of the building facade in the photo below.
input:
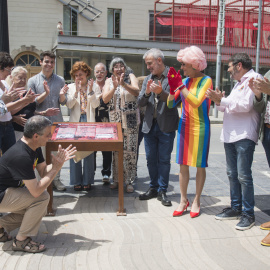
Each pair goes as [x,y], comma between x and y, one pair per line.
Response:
[120,28]
[97,31]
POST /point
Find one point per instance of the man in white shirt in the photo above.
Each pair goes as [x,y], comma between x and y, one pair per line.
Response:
[240,135]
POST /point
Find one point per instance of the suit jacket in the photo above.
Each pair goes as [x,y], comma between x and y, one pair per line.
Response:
[167,119]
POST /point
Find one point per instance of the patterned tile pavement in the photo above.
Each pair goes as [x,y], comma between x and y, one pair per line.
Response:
[87,234]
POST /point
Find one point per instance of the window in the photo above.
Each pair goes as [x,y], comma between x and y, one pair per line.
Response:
[68,63]
[114,23]
[27,59]
[30,61]
[70,25]
[254,35]
[163,32]
[188,28]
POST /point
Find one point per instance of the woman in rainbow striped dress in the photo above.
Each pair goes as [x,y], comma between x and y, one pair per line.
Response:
[194,126]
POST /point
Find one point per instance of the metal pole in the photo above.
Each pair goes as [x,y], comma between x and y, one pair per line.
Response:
[155,11]
[244,24]
[259,37]
[173,21]
[220,41]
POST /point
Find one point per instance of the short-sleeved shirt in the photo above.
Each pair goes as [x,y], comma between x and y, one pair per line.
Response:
[55,83]
[18,164]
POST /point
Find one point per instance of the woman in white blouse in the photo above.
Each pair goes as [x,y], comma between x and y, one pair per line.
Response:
[82,101]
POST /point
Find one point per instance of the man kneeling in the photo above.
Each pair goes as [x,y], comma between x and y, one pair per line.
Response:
[21,196]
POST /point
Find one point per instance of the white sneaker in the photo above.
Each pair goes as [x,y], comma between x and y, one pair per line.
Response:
[57,184]
[106,179]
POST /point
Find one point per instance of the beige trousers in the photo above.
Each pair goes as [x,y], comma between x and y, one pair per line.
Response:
[24,211]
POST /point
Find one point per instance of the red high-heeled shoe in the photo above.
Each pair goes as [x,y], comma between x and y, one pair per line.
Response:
[195,214]
[180,213]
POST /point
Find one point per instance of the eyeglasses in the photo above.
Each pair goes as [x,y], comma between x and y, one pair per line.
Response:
[233,64]
[9,69]
[118,67]
[100,71]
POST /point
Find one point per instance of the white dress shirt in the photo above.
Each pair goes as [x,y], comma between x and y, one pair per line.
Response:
[240,120]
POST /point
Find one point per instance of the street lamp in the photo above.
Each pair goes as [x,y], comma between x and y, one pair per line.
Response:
[258,25]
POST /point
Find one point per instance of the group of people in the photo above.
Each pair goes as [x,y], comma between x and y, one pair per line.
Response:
[118,99]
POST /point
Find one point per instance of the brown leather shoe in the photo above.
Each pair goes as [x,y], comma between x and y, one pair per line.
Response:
[266,240]
[265,226]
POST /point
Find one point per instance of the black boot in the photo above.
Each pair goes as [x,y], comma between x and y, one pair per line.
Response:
[149,194]
[163,198]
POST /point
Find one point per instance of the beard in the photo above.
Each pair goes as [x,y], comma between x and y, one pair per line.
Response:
[234,73]
[100,79]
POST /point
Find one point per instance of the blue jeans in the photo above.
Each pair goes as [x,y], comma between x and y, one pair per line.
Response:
[82,176]
[7,137]
[239,158]
[266,143]
[158,149]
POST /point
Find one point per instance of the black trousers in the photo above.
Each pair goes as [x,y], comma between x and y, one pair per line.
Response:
[107,163]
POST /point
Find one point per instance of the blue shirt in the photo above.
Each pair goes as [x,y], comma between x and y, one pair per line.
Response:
[55,83]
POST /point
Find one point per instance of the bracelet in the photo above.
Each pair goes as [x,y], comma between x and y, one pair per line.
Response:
[147,95]
[181,87]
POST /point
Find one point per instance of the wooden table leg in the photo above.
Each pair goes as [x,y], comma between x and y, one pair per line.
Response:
[121,210]
[50,210]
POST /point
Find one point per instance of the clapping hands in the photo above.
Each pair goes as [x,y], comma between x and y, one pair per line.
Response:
[64,90]
[51,112]
[115,82]
[63,155]
[174,79]
[259,86]
[30,96]
[12,94]
[215,96]
[90,84]
[153,87]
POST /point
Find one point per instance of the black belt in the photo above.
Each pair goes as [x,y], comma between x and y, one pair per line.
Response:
[5,123]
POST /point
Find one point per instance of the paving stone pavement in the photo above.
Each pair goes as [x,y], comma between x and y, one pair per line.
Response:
[87,234]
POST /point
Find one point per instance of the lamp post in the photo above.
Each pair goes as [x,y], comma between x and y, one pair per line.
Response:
[220,42]
[258,36]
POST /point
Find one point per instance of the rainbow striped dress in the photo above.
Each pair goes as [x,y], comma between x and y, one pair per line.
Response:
[193,138]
